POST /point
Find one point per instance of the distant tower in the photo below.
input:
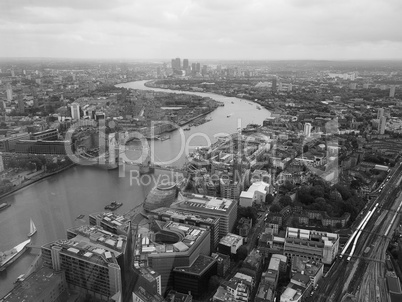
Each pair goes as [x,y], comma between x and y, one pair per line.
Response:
[9,90]
[392,91]
[21,104]
[12,73]
[380,113]
[381,125]
[185,64]
[274,84]
[193,68]
[178,63]
[307,129]
[198,67]
[75,111]
[1,162]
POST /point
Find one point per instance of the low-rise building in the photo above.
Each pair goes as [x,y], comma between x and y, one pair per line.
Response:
[229,244]
[45,285]
[311,244]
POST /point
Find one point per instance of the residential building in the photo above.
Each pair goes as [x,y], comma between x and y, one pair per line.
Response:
[92,261]
[9,92]
[381,125]
[223,263]
[141,295]
[313,269]
[75,111]
[307,130]
[380,113]
[392,91]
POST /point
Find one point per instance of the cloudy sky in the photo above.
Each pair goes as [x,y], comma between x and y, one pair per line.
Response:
[202,29]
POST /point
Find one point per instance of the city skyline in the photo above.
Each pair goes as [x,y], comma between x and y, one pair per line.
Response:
[234,30]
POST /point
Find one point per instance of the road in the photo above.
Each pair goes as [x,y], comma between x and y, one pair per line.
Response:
[363,276]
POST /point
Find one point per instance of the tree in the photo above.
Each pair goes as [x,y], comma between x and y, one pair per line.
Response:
[285,201]
[31,166]
[269,198]
[304,195]
[317,191]
[275,208]
[355,184]
[242,252]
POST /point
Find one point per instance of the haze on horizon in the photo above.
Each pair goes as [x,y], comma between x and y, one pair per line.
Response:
[202,29]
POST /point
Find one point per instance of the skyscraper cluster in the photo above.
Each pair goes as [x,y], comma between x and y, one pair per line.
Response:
[188,69]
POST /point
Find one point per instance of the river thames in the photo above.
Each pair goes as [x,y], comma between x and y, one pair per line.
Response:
[54,203]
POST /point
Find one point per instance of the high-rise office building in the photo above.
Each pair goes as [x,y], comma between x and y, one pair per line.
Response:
[193,68]
[307,129]
[381,125]
[75,111]
[9,91]
[12,73]
[198,67]
[380,113]
[185,64]
[392,91]
[274,84]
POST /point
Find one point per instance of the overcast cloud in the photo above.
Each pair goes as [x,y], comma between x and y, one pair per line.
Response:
[202,29]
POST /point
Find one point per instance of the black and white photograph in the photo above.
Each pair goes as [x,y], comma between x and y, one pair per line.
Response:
[200,151]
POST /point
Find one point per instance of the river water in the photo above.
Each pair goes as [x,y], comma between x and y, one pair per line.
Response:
[55,202]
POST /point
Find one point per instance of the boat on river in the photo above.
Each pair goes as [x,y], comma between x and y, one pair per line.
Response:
[32,229]
[8,257]
[4,206]
[113,206]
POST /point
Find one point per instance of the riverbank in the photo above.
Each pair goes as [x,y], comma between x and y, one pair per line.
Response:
[32,181]
[151,84]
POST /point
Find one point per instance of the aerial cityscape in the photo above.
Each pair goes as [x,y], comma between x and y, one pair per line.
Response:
[213,151]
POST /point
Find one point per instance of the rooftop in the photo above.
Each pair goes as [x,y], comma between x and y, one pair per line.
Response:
[179,214]
[199,266]
[309,267]
[207,203]
[92,244]
[34,285]
[112,219]
[231,239]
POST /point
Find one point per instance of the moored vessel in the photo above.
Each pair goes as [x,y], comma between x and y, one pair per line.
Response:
[8,257]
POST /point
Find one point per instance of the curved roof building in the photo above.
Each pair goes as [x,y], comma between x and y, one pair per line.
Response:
[162,195]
